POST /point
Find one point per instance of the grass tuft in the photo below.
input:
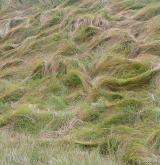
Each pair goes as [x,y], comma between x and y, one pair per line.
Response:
[148,12]
[85,34]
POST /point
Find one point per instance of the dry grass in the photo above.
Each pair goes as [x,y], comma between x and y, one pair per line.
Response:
[80,83]
[148,12]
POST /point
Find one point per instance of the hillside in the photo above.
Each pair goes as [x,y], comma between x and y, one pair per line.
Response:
[79,82]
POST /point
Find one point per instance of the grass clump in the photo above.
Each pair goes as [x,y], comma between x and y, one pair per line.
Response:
[41,122]
[91,135]
[70,2]
[55,102]
[133,82]
[130,105]
[151,48]
[56,19]
[41,43]
[154,141]
[12,115]
[133,4]
[114,40]
[85,34]
[90,20]
[75,78]
[28,121]
[109,95]
[89,114]
[118,119]
[4,107]
[111,145]
[24,119]
[68,49]
[125,47]
[38,72]
[152,31]
[13,94]
[105,14]
[119,67]
[44,69]
[136,154]
[11,63]
[49,93]
[148,12]
[19,34]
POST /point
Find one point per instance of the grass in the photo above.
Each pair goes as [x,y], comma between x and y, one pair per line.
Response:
[153,29]
[70,2]
[98,21]
[38,72]
[129,83]
[148,12]
[24,119]
[110,146]
[116,41]
[76,78]
[80,82]
[136,154]
[67,48]
[133,4]
[151,48]
[119,67]
[55,19]
[85,34]
[153,140]
[35,151]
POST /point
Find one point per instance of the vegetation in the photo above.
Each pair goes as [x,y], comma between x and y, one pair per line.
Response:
[80,82]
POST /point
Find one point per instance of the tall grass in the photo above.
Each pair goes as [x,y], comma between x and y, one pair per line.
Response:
[70,92]
[32,151]
[12,3]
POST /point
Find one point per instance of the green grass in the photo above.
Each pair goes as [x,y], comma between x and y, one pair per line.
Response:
[85,34]
[24,119]
[35,151]
[133,82]
[80,83]
[119,67]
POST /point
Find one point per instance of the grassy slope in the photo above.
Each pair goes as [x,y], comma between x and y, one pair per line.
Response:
[80,80]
